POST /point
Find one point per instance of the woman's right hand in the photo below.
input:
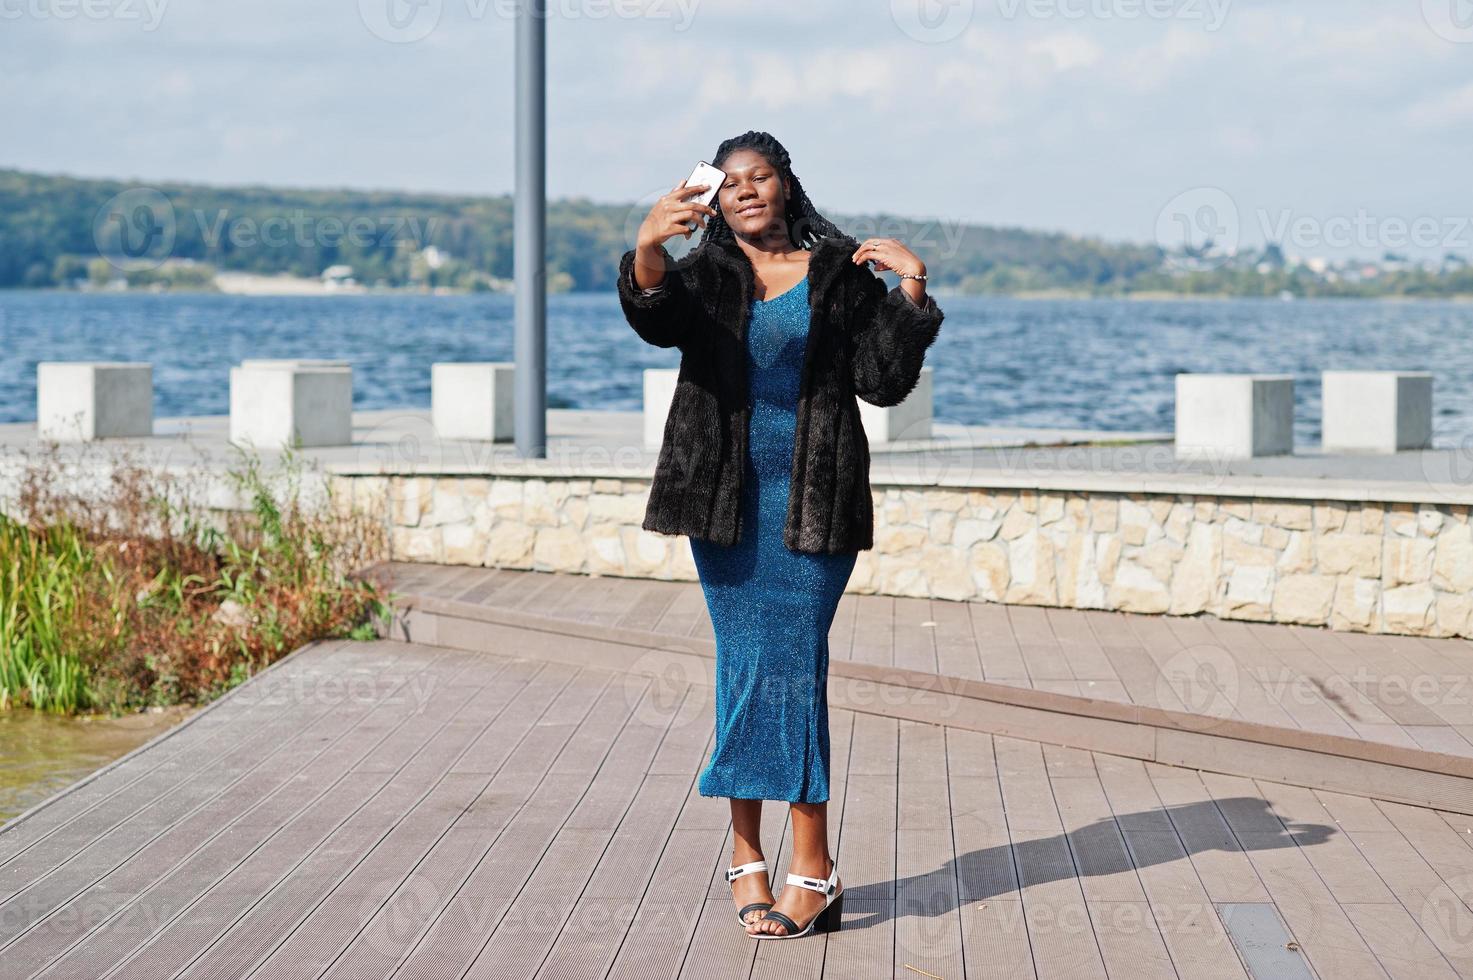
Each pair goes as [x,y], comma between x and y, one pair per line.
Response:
[666,220]
[670,215]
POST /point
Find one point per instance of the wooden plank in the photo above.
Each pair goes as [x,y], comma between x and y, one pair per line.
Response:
[1001,660]
[874,630]
[482,585]
[985,866]
[1180,905]
[1325,934]
[915,643]
[1082,650]
[1038,646]
[682,615]
[866,850]
[524,586]
[928,934]
[841,634]
[1058,921]
[653,597]
[956,647]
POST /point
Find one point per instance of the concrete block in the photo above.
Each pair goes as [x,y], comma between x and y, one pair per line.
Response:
[911,419]
[78,401]
[473,400]
[1229,416]
[284,403]
[296,362]
[1376,411]
[659,392]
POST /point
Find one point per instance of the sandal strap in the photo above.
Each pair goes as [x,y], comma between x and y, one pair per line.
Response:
[822,887]
[732,874]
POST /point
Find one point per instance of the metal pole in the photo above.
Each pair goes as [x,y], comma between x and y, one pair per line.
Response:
[529,254]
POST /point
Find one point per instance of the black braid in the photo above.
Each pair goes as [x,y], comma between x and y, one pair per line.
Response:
[805,225]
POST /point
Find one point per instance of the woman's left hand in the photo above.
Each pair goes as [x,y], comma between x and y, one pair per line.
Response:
[889,255]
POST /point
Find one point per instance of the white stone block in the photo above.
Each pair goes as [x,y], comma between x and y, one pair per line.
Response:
[1229,416]
[1376,411]
[296,362]
[79,401]
[280,403]
[473,400]
[659,392]
[911,419]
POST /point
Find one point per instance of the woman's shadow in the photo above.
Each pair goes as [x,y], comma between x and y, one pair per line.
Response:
[1096,850]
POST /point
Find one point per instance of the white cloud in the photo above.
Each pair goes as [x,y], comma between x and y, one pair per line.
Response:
[1454,108]
[1067,51]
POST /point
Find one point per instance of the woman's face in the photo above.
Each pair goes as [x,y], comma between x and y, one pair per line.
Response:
[753,198]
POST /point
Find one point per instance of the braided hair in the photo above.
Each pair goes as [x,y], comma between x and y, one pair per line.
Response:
[805,225]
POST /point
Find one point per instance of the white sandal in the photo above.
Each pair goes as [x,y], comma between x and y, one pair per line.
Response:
[827,918]
[732,874]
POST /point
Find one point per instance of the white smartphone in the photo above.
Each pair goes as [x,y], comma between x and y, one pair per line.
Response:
[705,174]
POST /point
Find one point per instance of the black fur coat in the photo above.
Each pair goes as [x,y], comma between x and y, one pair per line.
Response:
[863,339]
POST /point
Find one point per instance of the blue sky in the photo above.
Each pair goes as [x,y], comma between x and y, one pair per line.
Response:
[1336,122]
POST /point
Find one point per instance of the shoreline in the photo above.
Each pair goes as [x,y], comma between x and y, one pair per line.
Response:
[1141,297]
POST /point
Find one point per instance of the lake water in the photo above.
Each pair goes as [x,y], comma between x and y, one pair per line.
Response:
[1106,364]
[40,755]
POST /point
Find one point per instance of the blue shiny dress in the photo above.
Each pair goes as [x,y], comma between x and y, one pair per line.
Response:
[771,607]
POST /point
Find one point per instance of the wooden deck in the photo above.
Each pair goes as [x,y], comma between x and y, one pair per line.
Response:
[519,800]
[1332,709]
[395,809]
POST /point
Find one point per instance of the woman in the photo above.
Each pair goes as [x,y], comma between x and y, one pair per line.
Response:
[764,464]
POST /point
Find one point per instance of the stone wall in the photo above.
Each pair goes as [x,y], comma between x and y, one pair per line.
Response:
[1371,567]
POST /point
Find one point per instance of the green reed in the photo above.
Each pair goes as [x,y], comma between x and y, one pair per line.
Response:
[145,598]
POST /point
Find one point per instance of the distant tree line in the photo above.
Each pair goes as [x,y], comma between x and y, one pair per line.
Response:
[59,231]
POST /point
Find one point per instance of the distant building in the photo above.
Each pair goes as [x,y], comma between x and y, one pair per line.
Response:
[338,277]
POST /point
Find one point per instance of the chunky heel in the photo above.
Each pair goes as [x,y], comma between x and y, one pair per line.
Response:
[829,918]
